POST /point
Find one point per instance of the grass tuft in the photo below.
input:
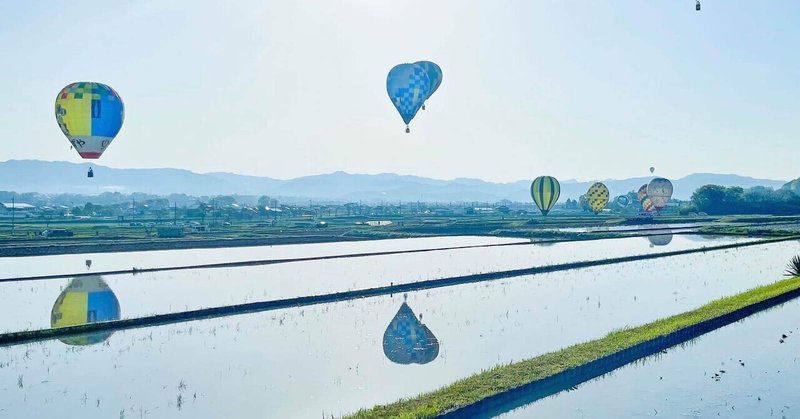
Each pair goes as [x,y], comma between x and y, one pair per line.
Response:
[793,269]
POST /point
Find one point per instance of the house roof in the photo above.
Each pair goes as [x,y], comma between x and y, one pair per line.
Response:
[16,205]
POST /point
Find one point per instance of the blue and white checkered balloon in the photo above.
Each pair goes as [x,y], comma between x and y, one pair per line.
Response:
[408,86]
[434,73]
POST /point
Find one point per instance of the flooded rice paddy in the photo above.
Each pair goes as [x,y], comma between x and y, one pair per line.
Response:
[745,370]
[154,293]
[77,263]
[336,358]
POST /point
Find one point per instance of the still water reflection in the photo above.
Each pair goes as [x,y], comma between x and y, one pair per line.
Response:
[26,303]
[407,340]
[660,239]
[330,359]
[85,300]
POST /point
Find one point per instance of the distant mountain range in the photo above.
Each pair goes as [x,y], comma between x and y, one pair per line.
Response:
[63,177]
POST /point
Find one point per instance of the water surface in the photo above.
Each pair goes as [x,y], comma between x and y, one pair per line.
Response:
[332,358]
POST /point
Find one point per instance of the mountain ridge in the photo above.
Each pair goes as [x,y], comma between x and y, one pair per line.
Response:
[65,177]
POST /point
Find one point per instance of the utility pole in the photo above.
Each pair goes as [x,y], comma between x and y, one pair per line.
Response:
[133,209]
[175,221]
[13,214]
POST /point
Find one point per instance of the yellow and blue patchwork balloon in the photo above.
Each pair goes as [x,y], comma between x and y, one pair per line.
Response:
[90,115]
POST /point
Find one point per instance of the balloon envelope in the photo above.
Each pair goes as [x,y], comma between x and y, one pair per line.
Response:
[408,341]
[647,205]
[623,200]
[434,74]
[597,195]
[660,192]
[90,115]
[545,191]
[652,169]
[407,85]
[642,193]
[85,300]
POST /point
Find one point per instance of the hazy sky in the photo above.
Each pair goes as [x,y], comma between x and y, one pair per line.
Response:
[577,89]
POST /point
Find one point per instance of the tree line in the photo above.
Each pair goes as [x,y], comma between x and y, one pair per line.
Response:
[719,200]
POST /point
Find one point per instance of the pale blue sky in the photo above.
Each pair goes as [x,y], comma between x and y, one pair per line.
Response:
[577,89]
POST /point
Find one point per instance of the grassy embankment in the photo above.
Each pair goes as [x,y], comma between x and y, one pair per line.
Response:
[507,377]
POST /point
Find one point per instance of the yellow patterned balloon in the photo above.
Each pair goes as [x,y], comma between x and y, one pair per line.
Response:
[597,195]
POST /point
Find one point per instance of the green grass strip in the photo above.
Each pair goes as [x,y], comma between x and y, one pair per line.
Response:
[507,377]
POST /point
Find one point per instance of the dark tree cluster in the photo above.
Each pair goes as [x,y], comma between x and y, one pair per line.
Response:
[717,200]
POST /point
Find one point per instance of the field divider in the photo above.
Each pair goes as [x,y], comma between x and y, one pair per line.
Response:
[264,262]
[507,387]
[14,338]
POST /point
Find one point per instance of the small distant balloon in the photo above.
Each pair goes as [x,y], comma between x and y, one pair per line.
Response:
[652,169]
[597,195]
[434,74]
[408,85]
[545,191]
[623,201]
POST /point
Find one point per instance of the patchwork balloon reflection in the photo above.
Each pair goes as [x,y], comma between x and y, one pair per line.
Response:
[85,300]
[408,341]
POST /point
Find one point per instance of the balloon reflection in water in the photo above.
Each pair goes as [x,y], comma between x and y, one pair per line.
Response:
[85,300]
[408,341]
[660,239]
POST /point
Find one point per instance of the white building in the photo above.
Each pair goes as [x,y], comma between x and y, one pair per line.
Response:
[17,209]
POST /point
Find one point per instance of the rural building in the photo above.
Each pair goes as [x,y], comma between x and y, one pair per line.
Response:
[17,209]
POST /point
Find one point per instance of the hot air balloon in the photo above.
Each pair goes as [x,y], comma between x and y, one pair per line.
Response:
[545,191]
[642,193]
[660,192]
[408,341]
[85,300]
[652,169]
[647,205]
[408,86]
[434,74]
[623,201]
[90,115]
[597,195]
